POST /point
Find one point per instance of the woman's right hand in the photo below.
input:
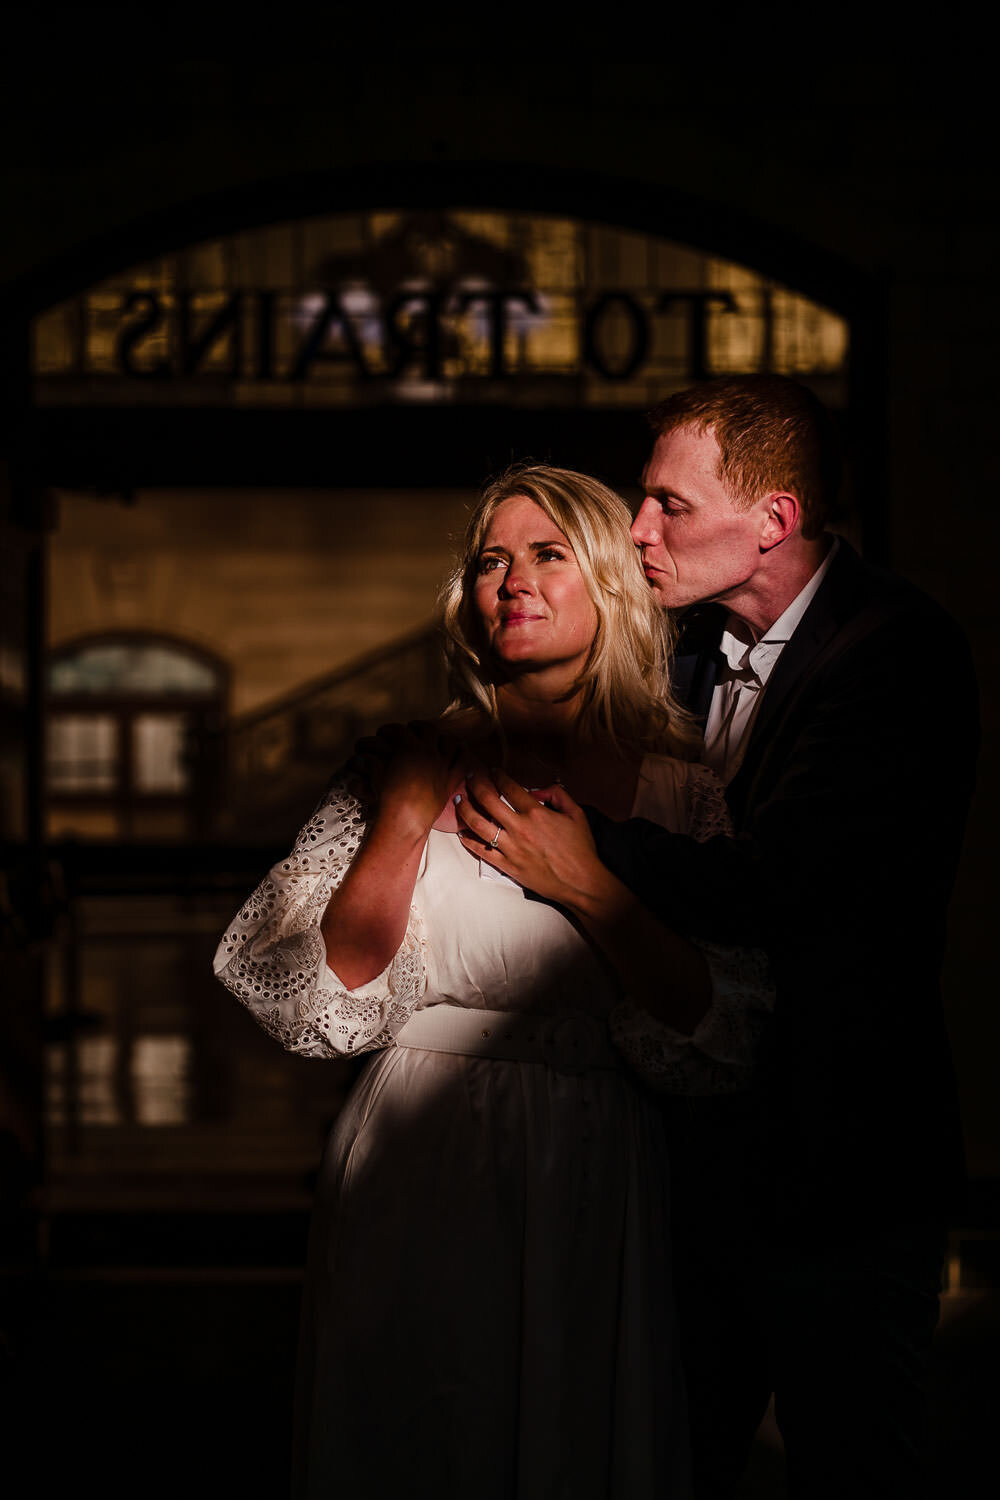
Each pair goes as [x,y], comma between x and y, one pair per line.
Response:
[418,769]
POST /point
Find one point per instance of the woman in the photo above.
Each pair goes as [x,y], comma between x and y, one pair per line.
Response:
[488,1307]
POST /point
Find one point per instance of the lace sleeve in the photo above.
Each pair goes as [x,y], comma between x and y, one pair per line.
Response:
[273,956]
[718,1057]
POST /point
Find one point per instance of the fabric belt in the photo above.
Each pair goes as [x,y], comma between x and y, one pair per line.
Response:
[568,1043]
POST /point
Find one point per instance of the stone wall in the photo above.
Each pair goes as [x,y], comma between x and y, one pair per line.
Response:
[283,586]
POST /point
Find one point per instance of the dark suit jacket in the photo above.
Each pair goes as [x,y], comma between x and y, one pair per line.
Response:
[848,808]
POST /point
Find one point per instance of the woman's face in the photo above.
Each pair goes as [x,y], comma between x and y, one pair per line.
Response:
[529,592]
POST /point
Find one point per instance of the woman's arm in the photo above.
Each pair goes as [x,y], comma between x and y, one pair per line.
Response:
[278,952]
[549,849]
[365,919]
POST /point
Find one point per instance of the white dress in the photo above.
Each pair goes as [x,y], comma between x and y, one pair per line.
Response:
[488,1305]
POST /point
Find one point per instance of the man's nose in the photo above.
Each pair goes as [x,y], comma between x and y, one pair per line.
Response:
[646,526]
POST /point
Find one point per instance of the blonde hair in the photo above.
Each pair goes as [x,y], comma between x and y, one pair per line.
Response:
[625,682]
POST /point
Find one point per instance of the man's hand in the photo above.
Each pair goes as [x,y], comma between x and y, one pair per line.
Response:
[365,771]
[401,765]
[544,840]
[545,844]
[418,773]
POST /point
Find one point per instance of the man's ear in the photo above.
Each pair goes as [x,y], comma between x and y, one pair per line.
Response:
[781,517]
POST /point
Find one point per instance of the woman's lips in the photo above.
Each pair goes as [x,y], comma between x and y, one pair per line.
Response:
[520,619]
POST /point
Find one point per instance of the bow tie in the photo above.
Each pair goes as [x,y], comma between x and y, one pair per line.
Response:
[726,671]
[700,628]
[745,661]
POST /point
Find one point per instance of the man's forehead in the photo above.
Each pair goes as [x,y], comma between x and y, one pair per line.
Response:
[683,450]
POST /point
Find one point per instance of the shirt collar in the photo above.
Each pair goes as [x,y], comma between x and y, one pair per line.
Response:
[743,652]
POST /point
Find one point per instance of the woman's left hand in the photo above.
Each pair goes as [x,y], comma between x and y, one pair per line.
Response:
[542,839]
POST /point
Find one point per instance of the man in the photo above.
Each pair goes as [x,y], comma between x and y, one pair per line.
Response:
[840,709]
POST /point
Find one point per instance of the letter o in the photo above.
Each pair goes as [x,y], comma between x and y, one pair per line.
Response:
[640,336]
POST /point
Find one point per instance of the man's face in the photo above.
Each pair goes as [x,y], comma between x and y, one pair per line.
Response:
[694,544]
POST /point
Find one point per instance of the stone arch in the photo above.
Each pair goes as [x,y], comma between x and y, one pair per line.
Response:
[703,223]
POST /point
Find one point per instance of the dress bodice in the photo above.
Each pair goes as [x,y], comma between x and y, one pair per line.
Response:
[472,940]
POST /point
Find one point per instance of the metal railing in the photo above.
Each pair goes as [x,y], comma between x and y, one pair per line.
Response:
[253,776]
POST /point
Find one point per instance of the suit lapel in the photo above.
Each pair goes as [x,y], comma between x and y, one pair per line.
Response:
[839,596]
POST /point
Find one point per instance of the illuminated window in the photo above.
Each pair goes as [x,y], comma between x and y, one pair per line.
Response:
[121,715]
[160,1068]
[83,752]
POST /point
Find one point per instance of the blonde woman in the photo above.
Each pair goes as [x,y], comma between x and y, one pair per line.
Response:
[488,1304]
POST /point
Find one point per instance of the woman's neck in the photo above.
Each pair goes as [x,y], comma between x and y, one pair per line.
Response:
[540,743]
[527,708]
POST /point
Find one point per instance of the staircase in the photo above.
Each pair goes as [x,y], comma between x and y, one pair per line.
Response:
[259,778]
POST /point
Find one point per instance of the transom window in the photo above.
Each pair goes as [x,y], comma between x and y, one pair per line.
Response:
[434,306]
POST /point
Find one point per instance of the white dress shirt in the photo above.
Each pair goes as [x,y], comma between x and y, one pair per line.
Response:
[744,675]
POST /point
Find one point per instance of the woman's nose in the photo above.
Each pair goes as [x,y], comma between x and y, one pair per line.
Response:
[517,580]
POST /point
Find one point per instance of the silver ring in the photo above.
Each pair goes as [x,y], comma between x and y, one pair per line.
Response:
[493,843]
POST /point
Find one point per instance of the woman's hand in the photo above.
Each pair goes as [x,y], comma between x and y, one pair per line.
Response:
[542,840]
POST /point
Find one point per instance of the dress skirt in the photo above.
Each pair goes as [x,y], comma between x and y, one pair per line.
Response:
[488,1304]
[488,1307]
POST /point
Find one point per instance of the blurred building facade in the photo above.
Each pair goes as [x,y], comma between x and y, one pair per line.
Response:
[325,331]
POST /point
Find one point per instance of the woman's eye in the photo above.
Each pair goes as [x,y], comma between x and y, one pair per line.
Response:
[489,564]
[552,554]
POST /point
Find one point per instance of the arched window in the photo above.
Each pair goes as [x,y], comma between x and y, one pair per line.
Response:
[459,305]
[122,710]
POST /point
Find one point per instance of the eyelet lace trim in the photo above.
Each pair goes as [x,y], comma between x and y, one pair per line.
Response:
[273,956]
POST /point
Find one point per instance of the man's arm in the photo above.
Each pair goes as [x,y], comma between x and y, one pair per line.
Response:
[858,810]
[546,847]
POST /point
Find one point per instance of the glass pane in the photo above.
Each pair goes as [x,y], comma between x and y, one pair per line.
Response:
[92,1097]
[129,668]
[160,1068]
[158,742]
[83,753]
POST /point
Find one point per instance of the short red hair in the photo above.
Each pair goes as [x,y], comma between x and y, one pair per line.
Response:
[773,434]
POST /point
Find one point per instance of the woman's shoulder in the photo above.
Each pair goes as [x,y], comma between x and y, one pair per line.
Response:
[681,795]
